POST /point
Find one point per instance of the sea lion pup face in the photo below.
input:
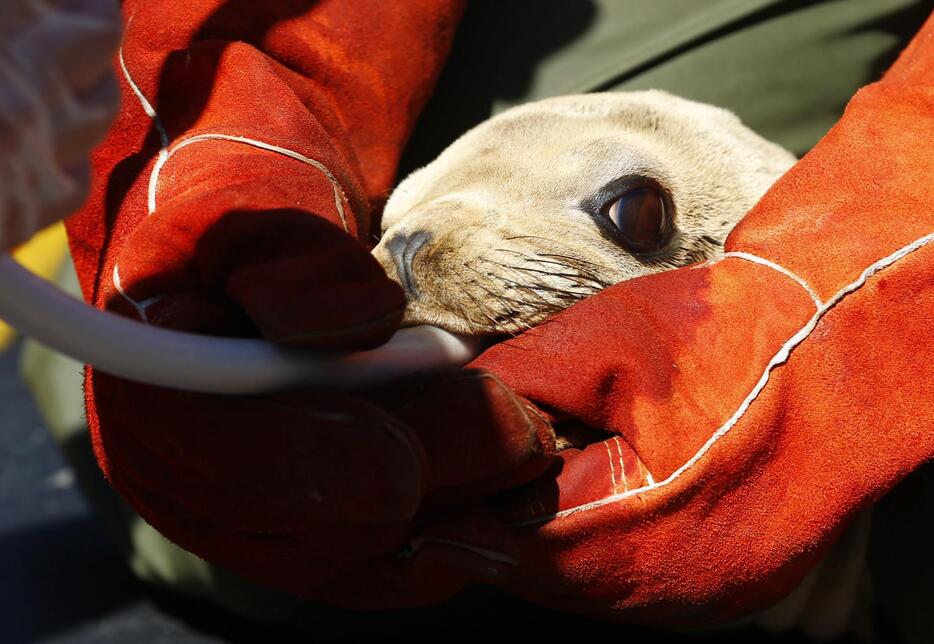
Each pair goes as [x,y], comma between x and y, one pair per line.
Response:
[550,202]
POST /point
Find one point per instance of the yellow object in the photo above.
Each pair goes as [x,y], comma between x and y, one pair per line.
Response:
[43,255]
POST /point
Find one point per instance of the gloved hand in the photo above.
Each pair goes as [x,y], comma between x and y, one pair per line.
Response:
[233,197]
[58,95]
[754,405]
[723,530]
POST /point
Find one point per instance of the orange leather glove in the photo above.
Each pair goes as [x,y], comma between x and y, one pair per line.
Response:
[233,196]
[734,463]
[755,405]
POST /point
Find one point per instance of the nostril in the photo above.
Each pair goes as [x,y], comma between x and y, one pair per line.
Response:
[403,248]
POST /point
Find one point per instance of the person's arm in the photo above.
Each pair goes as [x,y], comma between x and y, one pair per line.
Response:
[755,405]
[734,463]
[58,95]
[233,196]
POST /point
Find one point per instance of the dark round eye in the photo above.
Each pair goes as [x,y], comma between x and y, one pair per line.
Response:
[642,217]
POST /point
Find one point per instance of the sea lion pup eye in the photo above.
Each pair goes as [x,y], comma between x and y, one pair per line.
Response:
[641,213]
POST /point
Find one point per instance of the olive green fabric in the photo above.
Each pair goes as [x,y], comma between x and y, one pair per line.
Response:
[787,68]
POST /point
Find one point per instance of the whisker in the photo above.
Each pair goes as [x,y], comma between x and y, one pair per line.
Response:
[465,316]
[528,237]
[509,313]
[577,260]
[481,308]
[540,271]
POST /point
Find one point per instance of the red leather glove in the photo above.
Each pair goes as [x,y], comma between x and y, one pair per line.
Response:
[755,404]
[233,196]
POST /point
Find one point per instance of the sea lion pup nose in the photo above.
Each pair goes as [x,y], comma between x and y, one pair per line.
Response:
[552,201]
[402,247]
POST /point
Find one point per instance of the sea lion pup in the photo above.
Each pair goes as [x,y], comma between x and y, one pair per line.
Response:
[550,202]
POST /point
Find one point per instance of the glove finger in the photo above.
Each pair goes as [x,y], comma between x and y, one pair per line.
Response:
[451,551]
[479,436]
[300,279]
[578,476]
[320,288]
[275,465]
[297,562]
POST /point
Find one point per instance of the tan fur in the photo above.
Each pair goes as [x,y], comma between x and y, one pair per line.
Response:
[510,242]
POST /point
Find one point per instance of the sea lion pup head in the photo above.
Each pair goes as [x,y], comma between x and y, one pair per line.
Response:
[550,202]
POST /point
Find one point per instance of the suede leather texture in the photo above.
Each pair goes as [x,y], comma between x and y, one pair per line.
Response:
[736,519]
[234,195]
[663,362]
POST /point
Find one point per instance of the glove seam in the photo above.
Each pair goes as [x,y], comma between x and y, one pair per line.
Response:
[340,197]
[165,152]
[755,259]
[780,357]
